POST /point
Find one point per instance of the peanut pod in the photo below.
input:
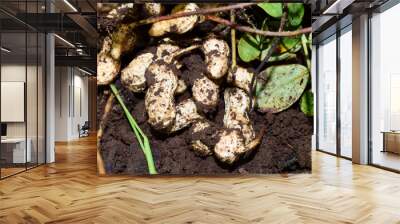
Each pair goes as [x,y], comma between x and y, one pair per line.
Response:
[179,25]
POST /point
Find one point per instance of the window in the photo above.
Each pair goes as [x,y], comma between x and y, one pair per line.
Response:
[22,101]
[334,137]
[385,89]
[327,95]
[346,75]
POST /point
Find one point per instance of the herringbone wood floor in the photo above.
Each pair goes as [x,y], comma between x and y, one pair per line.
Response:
[70,192]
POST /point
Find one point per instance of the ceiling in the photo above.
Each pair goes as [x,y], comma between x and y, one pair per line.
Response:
[72,20]
[332,15]
[39,6]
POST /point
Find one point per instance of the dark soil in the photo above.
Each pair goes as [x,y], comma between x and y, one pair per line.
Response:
[286,145]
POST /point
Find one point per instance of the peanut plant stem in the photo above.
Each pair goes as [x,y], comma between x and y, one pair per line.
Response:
[233,40]
[180,52]
[192,13]
[100,163]
[257,31]
[206,12]
[305,50]
[140,136]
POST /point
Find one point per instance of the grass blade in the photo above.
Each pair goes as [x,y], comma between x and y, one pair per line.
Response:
[140,136]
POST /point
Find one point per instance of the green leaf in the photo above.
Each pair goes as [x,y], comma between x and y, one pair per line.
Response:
[307,103]
[248,48]
[290,42]
[295,7]
[296,13]
[273,9]
[279,87]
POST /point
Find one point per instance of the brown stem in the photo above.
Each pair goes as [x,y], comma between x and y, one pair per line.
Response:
[217,19]
[233,40]
[107,109]
[197,12]
[171,57]
[257,31]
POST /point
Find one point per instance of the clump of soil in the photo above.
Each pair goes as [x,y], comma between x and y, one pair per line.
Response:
[285,147]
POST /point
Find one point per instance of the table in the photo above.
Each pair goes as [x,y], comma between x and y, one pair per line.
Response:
[391,141]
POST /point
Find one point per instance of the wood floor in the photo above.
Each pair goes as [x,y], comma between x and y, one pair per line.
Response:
[387,159]
[69,191]
[10,171]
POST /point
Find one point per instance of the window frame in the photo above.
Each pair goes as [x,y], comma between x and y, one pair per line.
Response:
[339,32]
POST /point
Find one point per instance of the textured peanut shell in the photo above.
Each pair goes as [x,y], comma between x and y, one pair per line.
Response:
[123,41]
[132,76]
[240,77]
[159,100]
[107,67]
[216,53]
[205,93]
[237,104]
[179,25]
[198,146]
[229,146]
[238,135]
[153,9]
[186,114]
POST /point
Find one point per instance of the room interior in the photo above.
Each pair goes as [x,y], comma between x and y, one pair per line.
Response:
[334,47]
[25,101]
[22,101]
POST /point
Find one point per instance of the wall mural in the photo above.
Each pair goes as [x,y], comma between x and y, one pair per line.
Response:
[180,92]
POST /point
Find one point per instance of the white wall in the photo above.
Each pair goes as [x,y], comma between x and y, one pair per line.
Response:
[61,103]
[34,125]
[14,73]
[80,110]
[71,94]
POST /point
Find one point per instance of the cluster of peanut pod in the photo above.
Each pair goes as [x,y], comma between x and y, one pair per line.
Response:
[155,71]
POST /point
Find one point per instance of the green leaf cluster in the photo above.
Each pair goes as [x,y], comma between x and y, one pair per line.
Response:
[279,87]
[255,47]
[295,11]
